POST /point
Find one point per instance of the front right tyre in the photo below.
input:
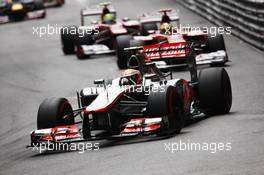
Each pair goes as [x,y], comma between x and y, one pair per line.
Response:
[52,111]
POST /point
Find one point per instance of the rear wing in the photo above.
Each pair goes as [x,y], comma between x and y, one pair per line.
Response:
[181,51]
[94,11]
[161,52]
[156,16]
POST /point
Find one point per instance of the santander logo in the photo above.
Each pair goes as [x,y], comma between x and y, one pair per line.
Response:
[165,50]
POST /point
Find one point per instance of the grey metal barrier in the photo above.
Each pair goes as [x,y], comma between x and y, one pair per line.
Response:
[246,17]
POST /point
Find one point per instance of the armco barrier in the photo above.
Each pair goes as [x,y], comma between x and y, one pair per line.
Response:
[246,17]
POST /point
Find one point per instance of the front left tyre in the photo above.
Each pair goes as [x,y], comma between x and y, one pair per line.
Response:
[165,103]
[68,39]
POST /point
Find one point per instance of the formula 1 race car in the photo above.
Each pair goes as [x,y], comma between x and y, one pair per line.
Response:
[100,36]
[16,10]
[53,3]
[97,33]
[143,101]
[209,49]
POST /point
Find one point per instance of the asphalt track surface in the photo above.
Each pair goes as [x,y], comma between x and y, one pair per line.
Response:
[33,68]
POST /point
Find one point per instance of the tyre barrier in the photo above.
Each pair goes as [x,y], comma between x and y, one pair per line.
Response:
[246,17]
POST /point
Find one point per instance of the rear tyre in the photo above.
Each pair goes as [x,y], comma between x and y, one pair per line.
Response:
[215,43]
[39,4]
[60,2]
[164,103]
[82,38]
[214,90]
[51,112]
[122,42]
[147,27]
[68,39]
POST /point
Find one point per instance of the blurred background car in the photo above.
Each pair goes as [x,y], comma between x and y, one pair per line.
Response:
[53,3]
[17,10]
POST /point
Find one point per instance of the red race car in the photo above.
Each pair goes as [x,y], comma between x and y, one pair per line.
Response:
[143,101]
[208,49]
[97,33]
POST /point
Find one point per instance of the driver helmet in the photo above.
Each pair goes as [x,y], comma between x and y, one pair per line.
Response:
[165,28]
[133,75]
[108,18]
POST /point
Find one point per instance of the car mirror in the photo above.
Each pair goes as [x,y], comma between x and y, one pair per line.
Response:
[99,81]
[94,22]
[125,19]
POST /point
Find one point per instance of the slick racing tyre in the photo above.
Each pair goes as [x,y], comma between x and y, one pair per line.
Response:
[214,90]
[166,104]
[148,27]
[51,112]
[122,42]
[215,43]
[82,38]
[60,2]
[68,39]
[39,4]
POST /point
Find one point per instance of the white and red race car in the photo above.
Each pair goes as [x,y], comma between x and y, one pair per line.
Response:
[143,101]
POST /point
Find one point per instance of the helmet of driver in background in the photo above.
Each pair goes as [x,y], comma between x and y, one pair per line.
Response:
[108,18]
[165,28]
